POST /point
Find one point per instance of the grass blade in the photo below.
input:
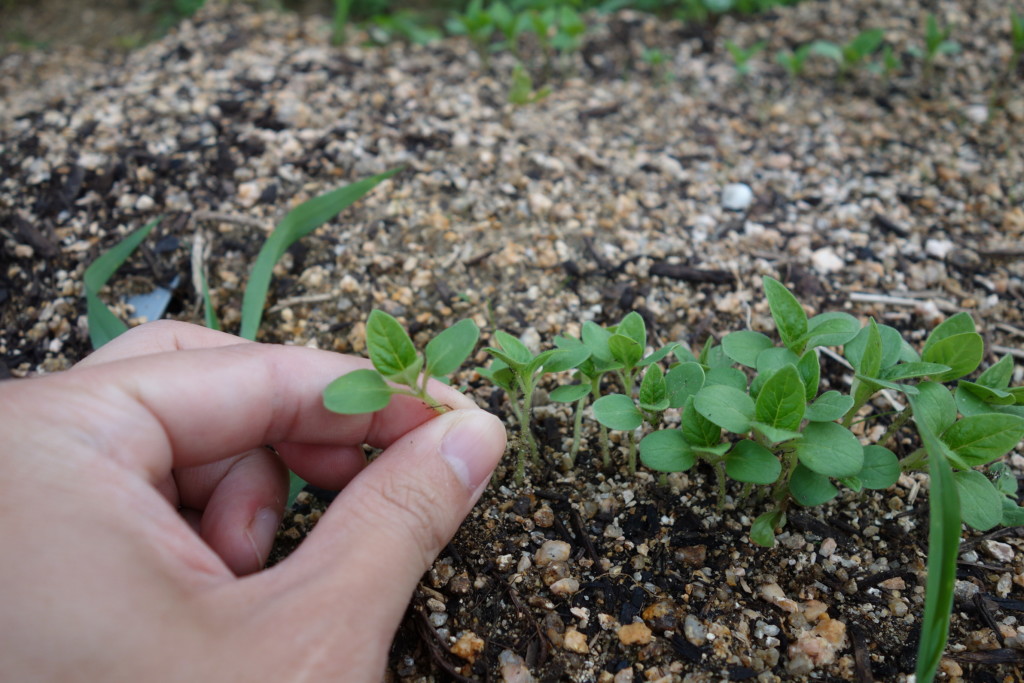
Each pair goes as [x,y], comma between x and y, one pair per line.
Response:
[943,546]
[103,324]
[299,222]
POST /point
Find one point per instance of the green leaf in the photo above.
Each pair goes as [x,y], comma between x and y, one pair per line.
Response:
[762,531]
[625,350]
[714,357]
[730,377]
[780,403]
[728,407]
[881,468]
[961,352]
[682,382]
[810,488]
[769,361]
[830,329]
[753,463]
[1013,514]
[790,317]
[894,348]
[357,392]
[913,370]
[449,350]
[981,505]
[103,324]
[997,375]
[875,383]
[560,360]
[829,448]
[943,547]
[389,346]
[852,483]
[829,407]
[656,356]
[961,323]
[744,346]
[809,368]
[666,451]
[684,355]
[596,339]
[969,404]
[569,393]
[871,361]
[935,406]
[697,429]
[633,327]
[499,373]
[774,434]
[300,221]
[991,396]
[516,351]
[653,392]
[980,439]
[866,42]
[828,49]
[616,411]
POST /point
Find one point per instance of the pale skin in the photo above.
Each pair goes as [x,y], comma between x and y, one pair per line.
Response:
[139,506]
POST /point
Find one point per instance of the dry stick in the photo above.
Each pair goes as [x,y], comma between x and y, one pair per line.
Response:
[306,299]
[907,300]
[1009,328]
[217,217]
[1016,353]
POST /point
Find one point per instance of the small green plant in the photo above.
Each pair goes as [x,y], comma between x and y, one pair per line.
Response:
[852,54]
[518,371]
[1012,66]
[793,61]
[477,24]
[741,55]
[936,43]
[396,360]
[339,21]
[522,92]
[1016,42]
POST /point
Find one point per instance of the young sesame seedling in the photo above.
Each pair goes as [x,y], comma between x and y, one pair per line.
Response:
[398,368]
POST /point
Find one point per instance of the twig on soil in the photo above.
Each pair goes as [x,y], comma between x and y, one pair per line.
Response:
[217,217]
[432,640]
[306,299]
[577,526]
[524,610]
[1009,328]
[909,299]
[1016,353]
[861,658]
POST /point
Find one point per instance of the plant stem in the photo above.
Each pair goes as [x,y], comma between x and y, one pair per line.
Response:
[915,461]
[606,456]
[896,426]
[631,461]
[577,429]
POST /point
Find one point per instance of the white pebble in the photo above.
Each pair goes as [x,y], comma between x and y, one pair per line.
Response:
[825,260]
[737,197]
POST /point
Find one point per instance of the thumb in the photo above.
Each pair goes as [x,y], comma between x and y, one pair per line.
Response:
[386,527]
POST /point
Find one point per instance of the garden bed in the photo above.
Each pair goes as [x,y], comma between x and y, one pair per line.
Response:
[872,195]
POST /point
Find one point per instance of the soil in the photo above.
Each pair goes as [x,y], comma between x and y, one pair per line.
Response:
[884,196]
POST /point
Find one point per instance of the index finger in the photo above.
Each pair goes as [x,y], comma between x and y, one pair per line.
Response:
[186,408]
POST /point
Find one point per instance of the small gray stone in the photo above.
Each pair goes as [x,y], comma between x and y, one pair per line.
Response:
[737,197]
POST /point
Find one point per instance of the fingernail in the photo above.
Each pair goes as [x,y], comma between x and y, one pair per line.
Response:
[472,447]
[261,532]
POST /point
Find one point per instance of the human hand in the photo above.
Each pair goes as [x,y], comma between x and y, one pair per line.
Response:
[103,578]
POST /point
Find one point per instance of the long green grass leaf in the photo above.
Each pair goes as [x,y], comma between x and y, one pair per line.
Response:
[103,324]
[943,546]
[299,222]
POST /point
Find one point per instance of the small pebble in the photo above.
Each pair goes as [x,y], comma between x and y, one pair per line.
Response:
[737,197]
[636,633]
[552,551]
